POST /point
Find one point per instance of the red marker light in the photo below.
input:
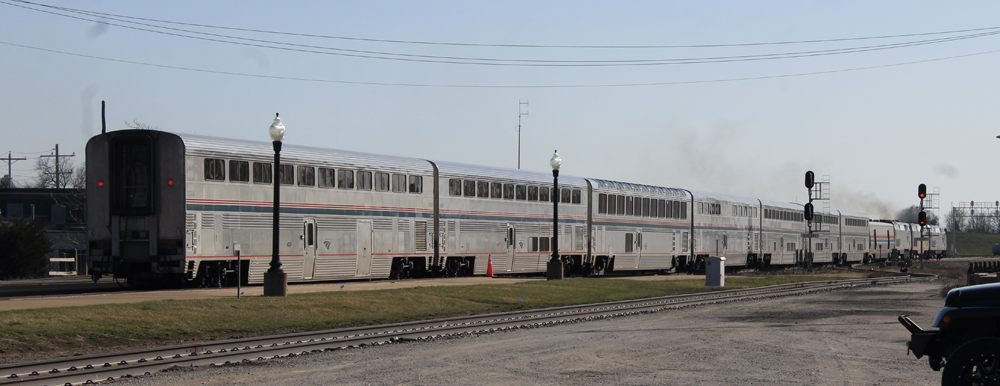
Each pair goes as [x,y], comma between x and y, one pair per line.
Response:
[100,183]
[170,182]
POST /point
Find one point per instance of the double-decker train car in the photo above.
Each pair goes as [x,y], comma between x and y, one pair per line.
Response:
[189,209]
[782,225]
[638,227]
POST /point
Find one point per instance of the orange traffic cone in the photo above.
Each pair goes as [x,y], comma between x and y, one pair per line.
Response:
[489,266]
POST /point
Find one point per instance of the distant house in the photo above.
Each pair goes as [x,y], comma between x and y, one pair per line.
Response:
[63,211]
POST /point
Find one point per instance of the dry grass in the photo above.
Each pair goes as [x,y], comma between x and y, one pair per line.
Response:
[43,333]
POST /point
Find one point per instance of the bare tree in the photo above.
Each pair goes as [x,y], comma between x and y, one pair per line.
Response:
[135,124]
[955,221]
[980,224]
[68,176]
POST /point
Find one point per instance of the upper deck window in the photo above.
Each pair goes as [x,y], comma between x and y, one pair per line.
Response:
[416,184]
[262,173]
[327,178]
[454,187]
[399,183]
[239,171]
[215,169]
[307,176]
[381,182]
[469,188]
[345,179]
[287,175]
[364,180]
[532,193]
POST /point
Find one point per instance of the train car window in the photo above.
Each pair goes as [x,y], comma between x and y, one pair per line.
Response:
[131,164]
[544,243]
[469,188]
[496,190]
[532,193]
[628,242]
[416,184]
[345,179]
[287,175]
[566,196]
[239,171]
[307,176]
[682,208]
[454,187]
[215,169]
[364,180]
[262,173]
[327,178]
[508,191]
[520,192]
[654,206]
[645,207]
[399,183]
[628,206]
[543,194]
[602,203]
[662,210]
[382,182]
[483,189]
[533,244]
[621,205]
[576,196]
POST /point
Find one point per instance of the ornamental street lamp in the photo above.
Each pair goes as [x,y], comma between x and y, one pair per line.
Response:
[554,270]
[275,279]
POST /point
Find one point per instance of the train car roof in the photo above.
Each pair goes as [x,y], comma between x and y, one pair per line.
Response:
[264,151]
[781,204]
[726,197]
[637,188]
[448,169]
[853,214]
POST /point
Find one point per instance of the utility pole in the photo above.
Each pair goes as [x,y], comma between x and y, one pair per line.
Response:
[10,175]
[522,111]
[57,156]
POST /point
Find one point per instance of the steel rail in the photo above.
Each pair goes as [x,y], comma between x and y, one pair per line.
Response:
[109,367]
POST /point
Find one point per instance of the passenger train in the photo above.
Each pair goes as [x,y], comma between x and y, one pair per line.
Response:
[196,210]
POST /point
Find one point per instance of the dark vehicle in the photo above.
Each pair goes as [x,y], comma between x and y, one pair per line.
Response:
[967,341]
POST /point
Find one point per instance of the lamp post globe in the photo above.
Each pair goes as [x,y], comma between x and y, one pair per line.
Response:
[275,279]
[554,269]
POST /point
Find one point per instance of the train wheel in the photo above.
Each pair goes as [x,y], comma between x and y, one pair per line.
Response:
[974,363]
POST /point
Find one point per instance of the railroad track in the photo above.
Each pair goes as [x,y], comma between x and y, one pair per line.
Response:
[110,367]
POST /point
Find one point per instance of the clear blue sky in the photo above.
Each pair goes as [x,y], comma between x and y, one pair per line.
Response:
[878,121]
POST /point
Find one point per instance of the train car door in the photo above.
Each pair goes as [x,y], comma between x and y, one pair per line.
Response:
[511,250]
[308,247]
[638,247]
[364,267]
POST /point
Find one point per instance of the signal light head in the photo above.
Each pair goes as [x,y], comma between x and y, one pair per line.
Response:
[922,191]
[100,183]
[170,182]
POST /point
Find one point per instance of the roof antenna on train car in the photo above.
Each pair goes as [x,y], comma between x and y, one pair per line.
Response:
[104,122]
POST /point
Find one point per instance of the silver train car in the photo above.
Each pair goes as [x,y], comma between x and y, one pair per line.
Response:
[192,210]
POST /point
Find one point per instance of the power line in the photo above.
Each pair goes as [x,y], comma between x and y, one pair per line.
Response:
[260,43]
[416,42]
[609,85]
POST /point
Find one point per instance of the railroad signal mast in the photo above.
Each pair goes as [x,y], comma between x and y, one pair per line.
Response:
[808,215]
[922,219]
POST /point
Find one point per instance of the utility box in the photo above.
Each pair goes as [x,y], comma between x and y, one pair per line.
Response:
[715,271]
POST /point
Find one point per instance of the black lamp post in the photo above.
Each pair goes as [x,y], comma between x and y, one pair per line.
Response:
[275,279]
[554,269]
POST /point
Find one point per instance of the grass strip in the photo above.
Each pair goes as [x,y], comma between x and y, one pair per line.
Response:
[52,332]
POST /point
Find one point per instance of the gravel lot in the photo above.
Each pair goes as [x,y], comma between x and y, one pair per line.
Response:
[846,337]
